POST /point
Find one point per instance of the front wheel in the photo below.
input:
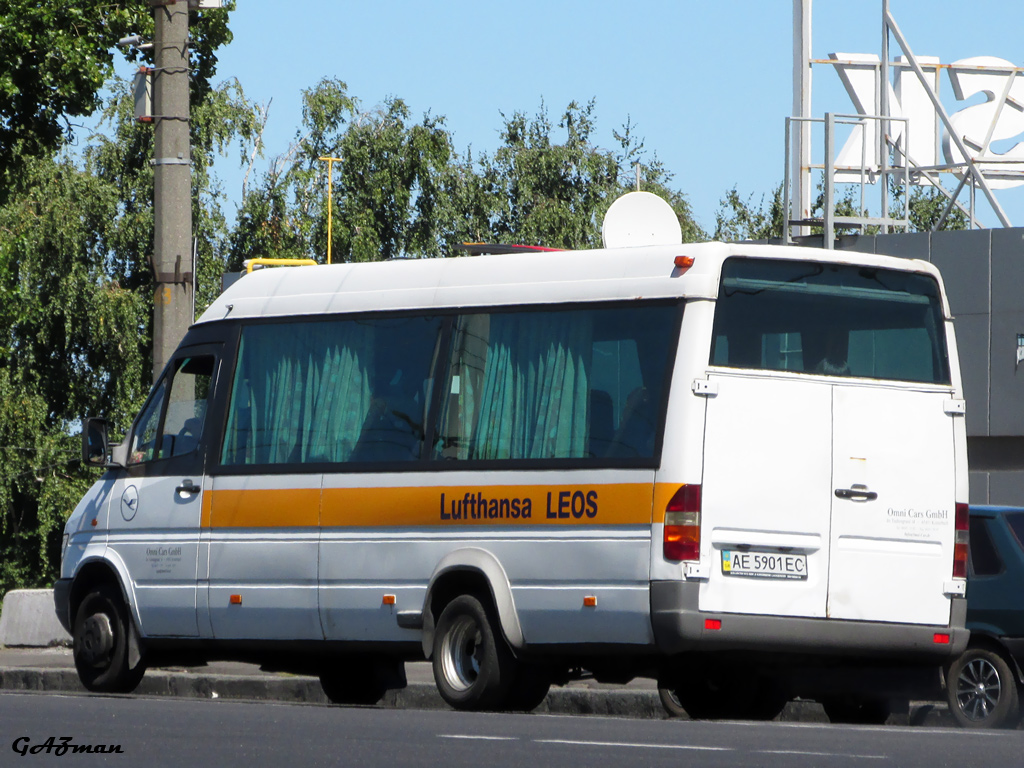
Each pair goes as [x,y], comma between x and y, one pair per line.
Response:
[982,691]
[473,667]
[100,643]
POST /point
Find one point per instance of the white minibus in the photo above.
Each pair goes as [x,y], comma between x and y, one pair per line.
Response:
[711,464]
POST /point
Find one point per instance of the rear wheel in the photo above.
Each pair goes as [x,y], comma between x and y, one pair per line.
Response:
[856,710]
[711,690]
[361,680]
[473,666]
[982,691]
[101,640]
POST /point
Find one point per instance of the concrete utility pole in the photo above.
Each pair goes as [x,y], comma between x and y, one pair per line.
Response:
[172,181]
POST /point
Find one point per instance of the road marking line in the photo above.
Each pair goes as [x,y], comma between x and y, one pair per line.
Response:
[478,738]
[630,744]
[818,754]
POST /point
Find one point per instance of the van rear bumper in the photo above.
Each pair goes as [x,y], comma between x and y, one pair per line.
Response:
[679,626]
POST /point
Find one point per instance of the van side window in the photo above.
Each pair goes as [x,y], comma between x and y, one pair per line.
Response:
[831,320]
[350,390]
[557,384]
[172,422]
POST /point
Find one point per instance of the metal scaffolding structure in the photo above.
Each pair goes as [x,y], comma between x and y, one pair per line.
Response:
[878,151]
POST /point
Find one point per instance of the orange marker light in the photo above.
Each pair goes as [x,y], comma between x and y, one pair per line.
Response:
[590,601]
[389,600]
[235,599]
[684,262]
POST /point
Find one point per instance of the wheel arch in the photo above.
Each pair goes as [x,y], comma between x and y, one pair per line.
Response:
[981,638]
[97,571]
[470,570]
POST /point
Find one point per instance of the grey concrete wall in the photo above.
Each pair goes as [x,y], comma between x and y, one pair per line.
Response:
[983,271]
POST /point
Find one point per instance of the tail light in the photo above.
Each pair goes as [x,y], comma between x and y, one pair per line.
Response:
[960,542]
[682,524]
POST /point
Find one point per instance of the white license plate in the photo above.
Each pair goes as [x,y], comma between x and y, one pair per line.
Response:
[764,565]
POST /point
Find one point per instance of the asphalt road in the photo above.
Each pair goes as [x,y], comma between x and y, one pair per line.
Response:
[157,732]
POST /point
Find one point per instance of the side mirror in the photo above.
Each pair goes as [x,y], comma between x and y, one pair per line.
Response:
[95,443]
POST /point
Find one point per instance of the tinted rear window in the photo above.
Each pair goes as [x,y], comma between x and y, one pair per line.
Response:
[1016,523]
[830,319]
[985,560]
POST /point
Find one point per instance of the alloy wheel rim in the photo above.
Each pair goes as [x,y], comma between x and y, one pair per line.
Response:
[978,689]
[461,653]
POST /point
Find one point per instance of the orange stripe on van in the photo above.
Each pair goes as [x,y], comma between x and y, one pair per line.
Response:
[296,508]
[614,504]
[440,507]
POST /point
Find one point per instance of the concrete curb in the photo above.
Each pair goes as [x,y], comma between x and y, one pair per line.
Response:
[293,689]
[306,690]
[28,619]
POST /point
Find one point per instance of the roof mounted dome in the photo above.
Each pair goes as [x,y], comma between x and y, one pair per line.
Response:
[640,218]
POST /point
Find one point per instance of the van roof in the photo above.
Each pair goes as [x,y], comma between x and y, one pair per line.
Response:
[505,279]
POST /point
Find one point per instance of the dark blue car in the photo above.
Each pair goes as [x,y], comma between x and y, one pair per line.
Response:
[983,683]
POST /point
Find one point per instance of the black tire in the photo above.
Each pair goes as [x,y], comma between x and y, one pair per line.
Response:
[857,711]
[982,691]
[529,688]
[100,643]
[670,701]
[711,690]
[361,680]
[473,666]
[769,700]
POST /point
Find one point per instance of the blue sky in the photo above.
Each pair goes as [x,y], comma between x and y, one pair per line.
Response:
[706,84]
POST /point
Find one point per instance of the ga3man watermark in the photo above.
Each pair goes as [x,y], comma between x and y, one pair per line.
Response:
[61,745]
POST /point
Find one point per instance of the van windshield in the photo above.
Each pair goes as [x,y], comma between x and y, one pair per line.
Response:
[830,319]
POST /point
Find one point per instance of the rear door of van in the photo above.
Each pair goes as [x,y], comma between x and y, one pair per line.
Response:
[829,470]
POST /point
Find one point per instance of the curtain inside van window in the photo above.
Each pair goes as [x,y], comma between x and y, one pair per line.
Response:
[532,388]
[560,384]
[301,393]
[331,391]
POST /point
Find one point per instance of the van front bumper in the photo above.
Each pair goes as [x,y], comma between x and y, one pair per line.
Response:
[679,626]
[62,603]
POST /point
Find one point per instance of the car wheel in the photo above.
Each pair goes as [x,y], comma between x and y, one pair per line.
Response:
[100,643]
[856,710]
[530,687]
[361,680]
[473,667]
[982,691]
[713,690]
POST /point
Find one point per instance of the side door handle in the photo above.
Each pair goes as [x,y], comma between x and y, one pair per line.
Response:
[857,493]
[187,486]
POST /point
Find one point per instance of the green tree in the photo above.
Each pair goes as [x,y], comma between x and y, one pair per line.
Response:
[551,193]
[738,219]
[389,186]
[927,205]
[76,306]
[57,58]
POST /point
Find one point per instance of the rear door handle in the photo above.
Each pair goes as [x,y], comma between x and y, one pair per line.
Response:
[857,493]
[187,486]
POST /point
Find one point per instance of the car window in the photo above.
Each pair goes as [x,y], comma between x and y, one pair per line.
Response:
[984,558]
[172,422]
[1016,522]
